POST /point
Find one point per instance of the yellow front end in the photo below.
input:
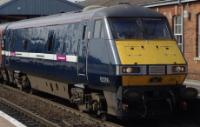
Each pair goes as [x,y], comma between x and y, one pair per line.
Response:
[149,53]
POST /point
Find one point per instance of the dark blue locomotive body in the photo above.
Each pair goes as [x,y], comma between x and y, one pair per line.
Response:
[59,52]
[83,57]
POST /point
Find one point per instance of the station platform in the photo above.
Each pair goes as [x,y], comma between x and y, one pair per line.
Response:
[8,121]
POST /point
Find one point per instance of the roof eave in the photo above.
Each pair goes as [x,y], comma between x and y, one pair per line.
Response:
[165,3]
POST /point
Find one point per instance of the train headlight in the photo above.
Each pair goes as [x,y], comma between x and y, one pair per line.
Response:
[135,70]
[179,69]
[131,69]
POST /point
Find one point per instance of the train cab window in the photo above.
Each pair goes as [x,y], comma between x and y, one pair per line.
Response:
[103,31]
[97,28]
[140,28]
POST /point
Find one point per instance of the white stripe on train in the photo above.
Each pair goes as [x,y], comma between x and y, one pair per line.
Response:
[55,57]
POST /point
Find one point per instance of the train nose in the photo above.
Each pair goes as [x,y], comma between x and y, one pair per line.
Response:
[149,52]
[146,104]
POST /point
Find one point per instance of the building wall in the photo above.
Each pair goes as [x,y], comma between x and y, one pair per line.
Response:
[190,33]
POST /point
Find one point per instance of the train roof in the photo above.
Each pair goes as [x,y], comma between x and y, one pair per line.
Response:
[123,10]
[3,26]
[127,10]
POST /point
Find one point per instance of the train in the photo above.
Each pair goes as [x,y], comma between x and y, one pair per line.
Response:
[121,60]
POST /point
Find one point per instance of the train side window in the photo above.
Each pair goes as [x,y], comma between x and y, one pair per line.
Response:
[103,31]
[25,44]
[84,32]
[11,41]
[97,28]
[50,42]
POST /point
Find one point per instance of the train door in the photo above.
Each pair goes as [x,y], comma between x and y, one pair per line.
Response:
[83,52]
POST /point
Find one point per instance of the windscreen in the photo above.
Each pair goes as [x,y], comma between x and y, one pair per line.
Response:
[139,28]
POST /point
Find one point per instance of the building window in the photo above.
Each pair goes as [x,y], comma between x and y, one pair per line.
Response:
[178,30]
[198,36]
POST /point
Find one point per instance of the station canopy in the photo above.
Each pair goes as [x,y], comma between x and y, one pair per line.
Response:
[11,10]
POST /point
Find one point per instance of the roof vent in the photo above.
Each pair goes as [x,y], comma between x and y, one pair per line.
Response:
[92,7]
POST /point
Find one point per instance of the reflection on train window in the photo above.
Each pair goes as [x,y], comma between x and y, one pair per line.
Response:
[103,31]
[155,29]
[133,28]
[97,28]
[64,48]
[11,38]
[25,44]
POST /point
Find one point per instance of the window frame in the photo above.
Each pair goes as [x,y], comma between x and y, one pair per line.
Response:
[50,41]
[84,33]
[198,35]
[103,32]
[180,35]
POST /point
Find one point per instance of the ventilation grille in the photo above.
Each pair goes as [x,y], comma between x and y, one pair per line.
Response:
[156,70]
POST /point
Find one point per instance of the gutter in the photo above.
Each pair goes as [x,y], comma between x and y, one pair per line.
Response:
[167,2]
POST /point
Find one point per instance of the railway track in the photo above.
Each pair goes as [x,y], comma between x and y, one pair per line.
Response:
[36,111]
[45,113]
[25,116]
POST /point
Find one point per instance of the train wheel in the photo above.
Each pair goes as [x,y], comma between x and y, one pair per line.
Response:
[1,77]
[4,73]
[11,77]
[103,116]
[81,107]
[99,106]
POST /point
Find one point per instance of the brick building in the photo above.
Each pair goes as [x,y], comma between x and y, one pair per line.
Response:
[184,19]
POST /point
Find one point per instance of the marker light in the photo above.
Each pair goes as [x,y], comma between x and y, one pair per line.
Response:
[178,69]
[131,69]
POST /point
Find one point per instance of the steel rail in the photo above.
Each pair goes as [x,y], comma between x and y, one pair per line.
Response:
[56,106]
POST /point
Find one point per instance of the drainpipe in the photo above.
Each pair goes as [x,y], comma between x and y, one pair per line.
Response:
[179,1]
[182,15]
[182,20]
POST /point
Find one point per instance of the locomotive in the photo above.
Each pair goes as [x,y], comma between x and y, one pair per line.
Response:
[120,60]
